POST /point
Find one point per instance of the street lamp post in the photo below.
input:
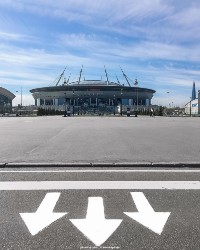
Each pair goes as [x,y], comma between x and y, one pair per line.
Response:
[190,106]
[65,106]
[121,103]
[168,94]
[73,102]
[78,104]
[21,96]
[114,106]
[20,100]
[136,84]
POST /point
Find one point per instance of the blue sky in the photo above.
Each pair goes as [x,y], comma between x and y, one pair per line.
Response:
[157,41]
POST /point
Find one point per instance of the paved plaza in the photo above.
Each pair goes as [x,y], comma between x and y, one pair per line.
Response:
[107,207]
[58,139]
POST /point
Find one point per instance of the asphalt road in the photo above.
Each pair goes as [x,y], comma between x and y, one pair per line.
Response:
[99,139]
[114,196]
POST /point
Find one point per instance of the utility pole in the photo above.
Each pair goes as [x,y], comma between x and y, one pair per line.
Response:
[121,103]
[65,105]
[21,96]
[136,85]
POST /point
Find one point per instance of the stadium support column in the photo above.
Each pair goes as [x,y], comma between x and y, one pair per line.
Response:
[147,102]
[56,102]
[38,101]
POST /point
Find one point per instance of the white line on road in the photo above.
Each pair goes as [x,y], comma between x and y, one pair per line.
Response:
[105,171]
[94,185]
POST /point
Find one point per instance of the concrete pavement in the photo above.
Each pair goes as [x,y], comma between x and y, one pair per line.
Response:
[99,140]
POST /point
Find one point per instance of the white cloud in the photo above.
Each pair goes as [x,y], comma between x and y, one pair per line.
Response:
[141,50]
[14,36]
[87,10]
[147,38]
[188,16]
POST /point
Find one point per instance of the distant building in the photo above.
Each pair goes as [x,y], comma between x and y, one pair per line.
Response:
[6,98]
[193,92]
[192,107]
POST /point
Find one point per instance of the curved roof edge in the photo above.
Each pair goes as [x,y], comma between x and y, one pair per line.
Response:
[84,86]
[7,93]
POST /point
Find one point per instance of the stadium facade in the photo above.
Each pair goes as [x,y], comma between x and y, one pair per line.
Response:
[89,94]
[6,98]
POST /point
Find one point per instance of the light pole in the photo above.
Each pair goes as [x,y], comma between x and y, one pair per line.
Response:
[136,84]
[190,106]
[21,100]
[65,106]
[168,94]
[78,104]
[114,105]
[21,95]
[73,102]
[121,103]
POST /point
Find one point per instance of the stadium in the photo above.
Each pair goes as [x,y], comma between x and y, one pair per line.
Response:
[92,95]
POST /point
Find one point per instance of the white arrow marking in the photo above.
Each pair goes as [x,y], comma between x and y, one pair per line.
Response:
[95,227]
[146,216]
[44,215]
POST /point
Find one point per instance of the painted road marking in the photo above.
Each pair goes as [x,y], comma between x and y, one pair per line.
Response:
[44,215]
[105,171]
[146,216]
[95,226]
[94,185]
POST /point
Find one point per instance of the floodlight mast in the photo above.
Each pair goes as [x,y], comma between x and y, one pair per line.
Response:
[68,79]
[118,80]
[61,76]
[80,74]
[106,75]
[125,76]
